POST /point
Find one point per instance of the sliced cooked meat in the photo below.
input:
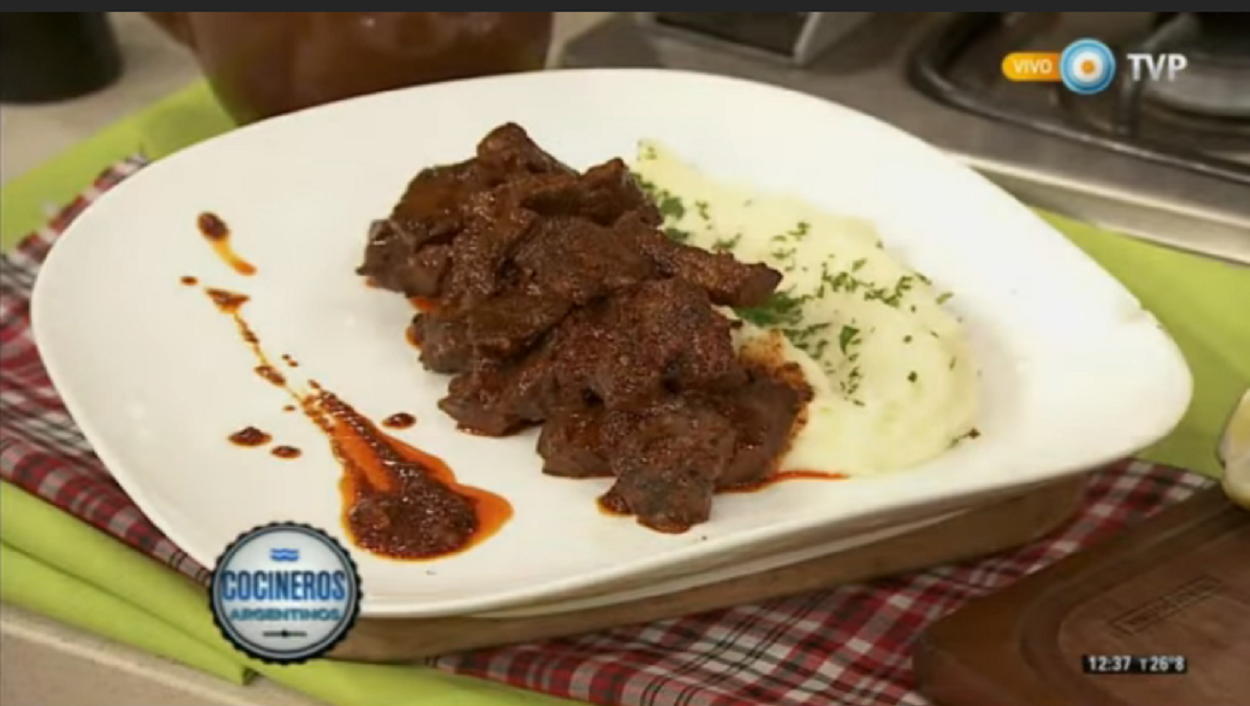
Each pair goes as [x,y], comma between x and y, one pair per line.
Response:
[763,413]
[432,206]
[394,260]
[578,261]
[479,256]
[508,149]
[498,329]
[669,460]
[602,195]
[443,338]
[498,399]
[510,325]
[660,336]
[570,443]
[727,281]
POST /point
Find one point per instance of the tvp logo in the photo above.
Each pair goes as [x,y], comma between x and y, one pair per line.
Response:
[1088,66]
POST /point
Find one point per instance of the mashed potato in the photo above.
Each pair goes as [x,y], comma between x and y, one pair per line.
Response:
[892,372]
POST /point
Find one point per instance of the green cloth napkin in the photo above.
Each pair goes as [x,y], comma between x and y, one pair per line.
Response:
[56,565]
[64,568]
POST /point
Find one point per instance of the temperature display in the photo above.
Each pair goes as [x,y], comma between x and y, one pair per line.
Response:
[1134,664]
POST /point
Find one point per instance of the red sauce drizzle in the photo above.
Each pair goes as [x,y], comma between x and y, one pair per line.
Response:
[783,476]
[286,452]
[217,233]
[399,420]
[250,436]
[269,373]
[423,304]
[290,361]
[398,501]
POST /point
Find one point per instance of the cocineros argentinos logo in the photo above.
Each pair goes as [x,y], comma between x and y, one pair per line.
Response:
[285,593]
[1085,66]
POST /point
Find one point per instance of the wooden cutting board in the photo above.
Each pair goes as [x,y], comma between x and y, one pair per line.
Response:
[1175,586]
[977,532]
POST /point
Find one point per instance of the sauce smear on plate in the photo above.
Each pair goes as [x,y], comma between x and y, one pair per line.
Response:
[398,501]
[217,233]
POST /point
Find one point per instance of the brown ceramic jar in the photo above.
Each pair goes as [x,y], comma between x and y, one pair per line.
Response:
[262,64]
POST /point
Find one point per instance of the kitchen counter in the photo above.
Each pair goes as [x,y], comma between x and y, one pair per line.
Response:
[45,662]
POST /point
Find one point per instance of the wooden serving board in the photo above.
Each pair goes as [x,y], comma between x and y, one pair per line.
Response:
[1176,585]
[976,532]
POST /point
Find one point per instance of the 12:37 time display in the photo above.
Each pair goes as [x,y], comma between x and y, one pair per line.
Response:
[1134,664]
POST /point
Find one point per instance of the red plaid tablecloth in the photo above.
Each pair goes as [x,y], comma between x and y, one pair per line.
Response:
[848,646]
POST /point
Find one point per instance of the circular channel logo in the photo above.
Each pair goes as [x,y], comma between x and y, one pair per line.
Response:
[284,593]
[1087,66]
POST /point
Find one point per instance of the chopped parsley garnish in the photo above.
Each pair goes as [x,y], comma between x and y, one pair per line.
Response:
[972,434]
[912,376]
[806,338]
[701,207]
[944,297]
[783,310]
[648,152]
[677,234]
[858,264]
[851,384]
[725,244]
[670,206]
[846,337]
[907,338]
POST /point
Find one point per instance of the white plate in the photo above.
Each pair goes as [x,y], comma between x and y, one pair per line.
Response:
[1075,373]
[733,570]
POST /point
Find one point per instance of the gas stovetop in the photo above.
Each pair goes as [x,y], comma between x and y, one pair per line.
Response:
[1166,163]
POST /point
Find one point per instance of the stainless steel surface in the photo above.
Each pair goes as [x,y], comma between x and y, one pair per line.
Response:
[868,71]
[794,37]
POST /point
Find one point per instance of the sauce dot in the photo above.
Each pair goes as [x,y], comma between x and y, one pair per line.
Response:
[189,281]
[250,436]
[399,420]
[286,452]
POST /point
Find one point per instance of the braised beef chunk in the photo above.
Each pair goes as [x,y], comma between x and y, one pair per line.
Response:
[508,149]
[667,465]
[570,443]
[394,260]
[578,261]
[479,256]
[561,303]
[727,281]
[660,336]
[763,413]
[432,207]
[500,398]
[443,338]
[510,325]
[602,195]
